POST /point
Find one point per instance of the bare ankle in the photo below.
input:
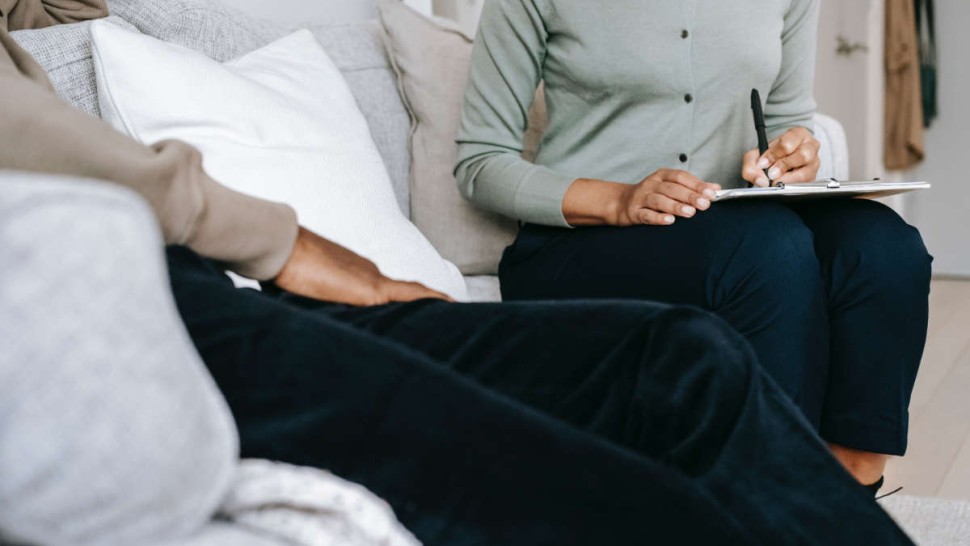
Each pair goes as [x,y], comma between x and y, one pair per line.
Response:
[866,467]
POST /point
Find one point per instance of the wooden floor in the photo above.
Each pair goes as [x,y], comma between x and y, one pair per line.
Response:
[938,461]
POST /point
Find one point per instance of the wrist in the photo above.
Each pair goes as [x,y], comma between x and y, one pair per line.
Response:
[591,202]
[288,272]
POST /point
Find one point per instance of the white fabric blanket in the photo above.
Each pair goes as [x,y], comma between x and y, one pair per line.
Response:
[310,507]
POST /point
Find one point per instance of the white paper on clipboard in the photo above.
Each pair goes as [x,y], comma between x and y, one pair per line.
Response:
[823,189]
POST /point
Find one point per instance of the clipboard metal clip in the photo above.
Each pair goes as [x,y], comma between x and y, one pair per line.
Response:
[833,184]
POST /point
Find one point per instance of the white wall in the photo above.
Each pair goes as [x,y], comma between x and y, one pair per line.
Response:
[850,89]
[943,213]
[337,11]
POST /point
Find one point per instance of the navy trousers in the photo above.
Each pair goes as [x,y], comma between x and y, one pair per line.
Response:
[528,424]
[832,295]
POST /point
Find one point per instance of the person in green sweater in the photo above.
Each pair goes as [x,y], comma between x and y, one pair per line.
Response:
[649,115]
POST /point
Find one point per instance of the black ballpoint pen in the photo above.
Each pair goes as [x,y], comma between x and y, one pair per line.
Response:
[759,126]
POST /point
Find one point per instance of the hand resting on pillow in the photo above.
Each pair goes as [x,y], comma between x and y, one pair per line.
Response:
[323,270]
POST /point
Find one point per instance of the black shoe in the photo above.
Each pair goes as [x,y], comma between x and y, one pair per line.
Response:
[874,489]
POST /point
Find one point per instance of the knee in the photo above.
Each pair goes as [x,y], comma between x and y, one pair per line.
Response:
[877,247]
[692,385]
[773,264]
[695,360]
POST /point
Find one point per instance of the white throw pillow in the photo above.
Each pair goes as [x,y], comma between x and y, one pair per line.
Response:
[279,123]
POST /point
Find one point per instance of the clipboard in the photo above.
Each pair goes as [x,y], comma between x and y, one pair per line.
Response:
[823,189]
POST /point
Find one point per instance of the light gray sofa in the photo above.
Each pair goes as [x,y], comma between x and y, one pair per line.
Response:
[357,49]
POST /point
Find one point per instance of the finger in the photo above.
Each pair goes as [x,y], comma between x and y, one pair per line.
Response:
[690,181]
[803,156]
[661,203]
[750,170]
[781,147]
[684,195]
[649,217]
[779,169]
[412,291]
[808,173]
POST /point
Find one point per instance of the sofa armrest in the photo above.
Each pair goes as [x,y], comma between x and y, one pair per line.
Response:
[834,152]
[111,430]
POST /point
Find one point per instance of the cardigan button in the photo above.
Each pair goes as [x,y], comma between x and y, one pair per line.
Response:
[683,158]
[685,34]
[688,98]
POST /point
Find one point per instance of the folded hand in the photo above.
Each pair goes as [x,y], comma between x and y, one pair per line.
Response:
[323,270]
[664,196]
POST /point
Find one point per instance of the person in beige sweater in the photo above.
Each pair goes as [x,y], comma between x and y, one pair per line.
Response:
[479,423]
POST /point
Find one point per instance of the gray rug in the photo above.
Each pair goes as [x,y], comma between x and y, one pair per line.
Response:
[931,522]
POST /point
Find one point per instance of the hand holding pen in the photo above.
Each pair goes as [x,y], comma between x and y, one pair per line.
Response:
[793,158]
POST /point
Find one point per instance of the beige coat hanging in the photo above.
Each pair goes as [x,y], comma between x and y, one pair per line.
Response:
[904,102]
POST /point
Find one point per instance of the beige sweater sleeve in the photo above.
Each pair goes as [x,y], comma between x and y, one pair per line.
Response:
[23,14]
[41,133]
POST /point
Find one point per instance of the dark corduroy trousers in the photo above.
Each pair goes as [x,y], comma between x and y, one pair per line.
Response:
[832,295]
[528,424]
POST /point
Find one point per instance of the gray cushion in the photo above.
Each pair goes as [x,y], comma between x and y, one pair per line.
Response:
[111,430]
[65,53]
[224,33]
[484,288]
[219,31]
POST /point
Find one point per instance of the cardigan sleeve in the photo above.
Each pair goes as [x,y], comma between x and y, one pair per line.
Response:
[791,102]
[506,68]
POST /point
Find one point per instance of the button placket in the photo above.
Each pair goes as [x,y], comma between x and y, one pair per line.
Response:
[688,97]
[688,100]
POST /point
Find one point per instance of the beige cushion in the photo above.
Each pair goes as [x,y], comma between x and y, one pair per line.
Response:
[432,61]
